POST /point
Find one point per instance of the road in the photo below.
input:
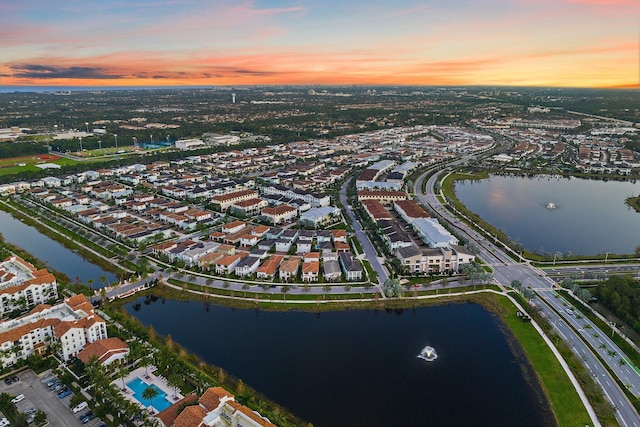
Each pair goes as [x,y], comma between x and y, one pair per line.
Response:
[367,246]
[584,337]
[580,270]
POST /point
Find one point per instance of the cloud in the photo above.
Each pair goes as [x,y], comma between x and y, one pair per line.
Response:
[38,71]
[606,2]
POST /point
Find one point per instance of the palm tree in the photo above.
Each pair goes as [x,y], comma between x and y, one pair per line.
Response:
[149,394]
[326,289]
[284,289]
[145,362]
[174,380]
[103,280]
[55,346]
[122,374]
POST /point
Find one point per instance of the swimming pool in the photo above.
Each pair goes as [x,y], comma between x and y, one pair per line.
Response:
[160,403]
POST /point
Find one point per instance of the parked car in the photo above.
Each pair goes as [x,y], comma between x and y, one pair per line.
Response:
[64,393]
[30,410]
[87,417]
[15,378]
[7,381]
[79,407]
[18,398]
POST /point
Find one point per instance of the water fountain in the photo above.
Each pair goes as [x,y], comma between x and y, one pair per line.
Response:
[428,353]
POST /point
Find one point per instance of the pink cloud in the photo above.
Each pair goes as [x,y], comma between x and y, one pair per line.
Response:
[632,3]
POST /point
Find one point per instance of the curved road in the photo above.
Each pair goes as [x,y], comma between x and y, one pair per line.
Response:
[584,337]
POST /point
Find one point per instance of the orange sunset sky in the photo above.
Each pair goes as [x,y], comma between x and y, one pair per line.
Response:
[577,43]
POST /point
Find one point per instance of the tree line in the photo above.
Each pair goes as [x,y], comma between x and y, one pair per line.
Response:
[621,295]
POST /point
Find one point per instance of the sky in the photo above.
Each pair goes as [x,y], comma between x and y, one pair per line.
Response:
[565,43]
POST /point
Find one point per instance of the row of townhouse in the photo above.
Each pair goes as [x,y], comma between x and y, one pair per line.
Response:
[248,207]
[279,199]
[24,286]
[279,214]
[307,266]
[215,408]
[188,251]
[376,210]
[409,210]
[328,242]
[72,323]
[314,199]
[384,197]
[225,201]
[239,232]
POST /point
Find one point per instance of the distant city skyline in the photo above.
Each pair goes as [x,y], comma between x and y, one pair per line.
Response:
[564,43]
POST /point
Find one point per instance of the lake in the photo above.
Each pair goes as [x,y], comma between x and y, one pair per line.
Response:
[360,367]
[51,252]
[590,217]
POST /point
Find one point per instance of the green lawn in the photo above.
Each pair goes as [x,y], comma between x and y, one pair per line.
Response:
[562,396]
[10,166]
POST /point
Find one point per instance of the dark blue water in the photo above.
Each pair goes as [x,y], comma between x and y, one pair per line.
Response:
[591,215]
[51,252]
[360,367]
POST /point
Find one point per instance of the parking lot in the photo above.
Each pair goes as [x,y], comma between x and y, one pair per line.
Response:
[38,396]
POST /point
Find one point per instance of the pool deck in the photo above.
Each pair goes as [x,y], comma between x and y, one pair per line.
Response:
[159,381]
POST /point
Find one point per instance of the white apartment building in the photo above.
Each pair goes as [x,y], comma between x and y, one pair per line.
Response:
[23,286]
[72,324]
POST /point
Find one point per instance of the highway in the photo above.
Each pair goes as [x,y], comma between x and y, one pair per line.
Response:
[584,337]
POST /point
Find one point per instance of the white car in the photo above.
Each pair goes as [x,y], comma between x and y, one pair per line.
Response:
[79,407]
[18,398]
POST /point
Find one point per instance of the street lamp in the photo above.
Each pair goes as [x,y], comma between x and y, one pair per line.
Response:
[613,328]
[87,124]
[100,144]
[80,138]
[606,257]
[115,135]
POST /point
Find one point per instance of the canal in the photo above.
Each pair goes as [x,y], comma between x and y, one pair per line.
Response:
[53,253]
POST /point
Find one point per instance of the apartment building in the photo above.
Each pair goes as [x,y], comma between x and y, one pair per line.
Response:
[23,286]
[215,408]
[72,323]
[433,260]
